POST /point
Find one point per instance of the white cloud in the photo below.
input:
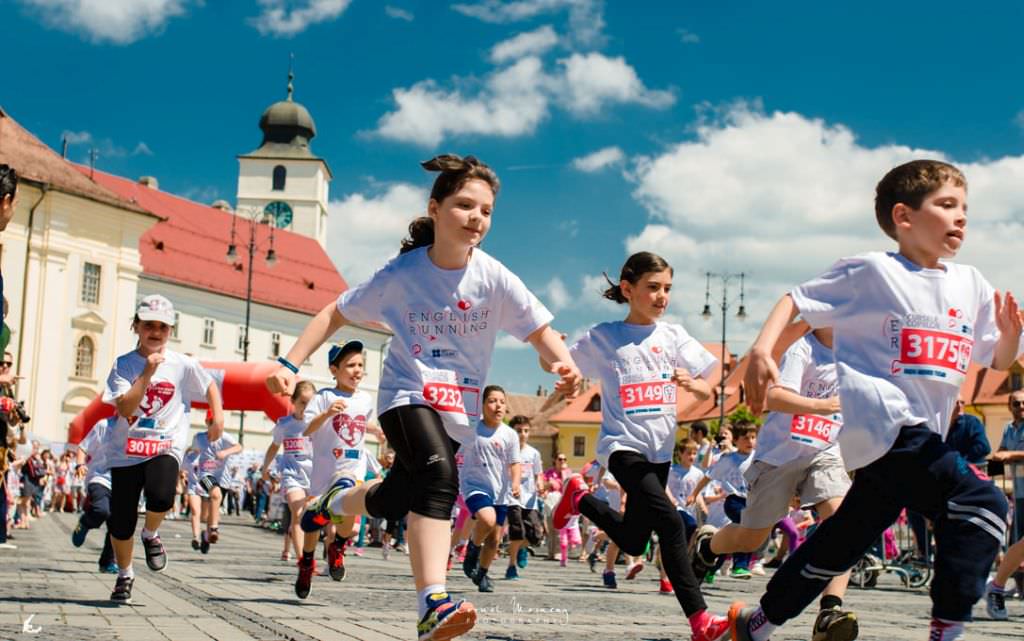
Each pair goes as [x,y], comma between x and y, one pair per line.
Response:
[287,18]
[586,17]
[1019,119]
[399,13]
[599,160]
[513,101]
[782,196]
[364,232]
[115,21]
[104,147]
[593,80]
[529,43]
[688,37]
[555,295]
[142,149]
[508,341]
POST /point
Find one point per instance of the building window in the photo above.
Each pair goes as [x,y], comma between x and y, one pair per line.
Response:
[208,334]
[91,284]
[280,176]
[275,344]
[84,357]
[1016,381]
[177,323]
[579,446]
[595,404]
[241,338]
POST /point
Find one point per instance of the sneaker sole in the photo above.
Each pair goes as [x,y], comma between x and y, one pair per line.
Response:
[121,601]
[845,629]
[455,624]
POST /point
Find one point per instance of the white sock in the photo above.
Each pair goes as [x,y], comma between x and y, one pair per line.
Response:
[436,588]
[759,627]
[128,572]
[335,506]
[146,534]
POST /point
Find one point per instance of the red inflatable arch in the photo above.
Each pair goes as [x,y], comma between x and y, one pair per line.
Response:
[241,386]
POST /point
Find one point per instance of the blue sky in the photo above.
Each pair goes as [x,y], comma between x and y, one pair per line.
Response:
[739,137]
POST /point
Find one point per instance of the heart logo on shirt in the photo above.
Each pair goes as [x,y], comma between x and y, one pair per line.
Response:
[350,429]
[656,349]
[156,398]
[465,305]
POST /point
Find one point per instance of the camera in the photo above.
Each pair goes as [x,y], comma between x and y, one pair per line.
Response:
[19,409]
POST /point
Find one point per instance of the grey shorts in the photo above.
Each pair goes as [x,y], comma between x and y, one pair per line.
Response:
[772,487]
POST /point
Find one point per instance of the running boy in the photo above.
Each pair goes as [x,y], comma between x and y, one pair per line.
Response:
[296,462]
[797,455]
[92,453]
[907,324]
[490,481]
[524,524]
[214,447]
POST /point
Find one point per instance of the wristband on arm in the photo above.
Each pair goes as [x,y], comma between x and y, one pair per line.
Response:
[287,363]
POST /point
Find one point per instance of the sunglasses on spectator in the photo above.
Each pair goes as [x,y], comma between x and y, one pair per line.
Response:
[6,363]
[560,458]
[1017,403]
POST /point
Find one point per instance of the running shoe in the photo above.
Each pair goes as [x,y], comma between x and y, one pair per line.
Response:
[358,551]
[78,536]
[385,551]
[834,624]
[757,568]
[511,573]
[709,578]
[195,544]
[740,573]
[608,577]
[522,558]
[592,560]
[445,619]
[122,590]
[302,584]
[109,568]
[715,628]
[336,561]
[665,587]
[634,570]
[739,621]
[204,545]
[944,631]
[472,559]
[156,556]
[700,563]
[214,535]
[483,581]
[567,504]
[995,603]
[318,514]
[286,557]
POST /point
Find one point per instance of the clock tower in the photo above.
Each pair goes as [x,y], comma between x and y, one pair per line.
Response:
[283,177]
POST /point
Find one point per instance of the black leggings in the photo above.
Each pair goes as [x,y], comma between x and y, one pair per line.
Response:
[647,508]
[158,476]
[424,479]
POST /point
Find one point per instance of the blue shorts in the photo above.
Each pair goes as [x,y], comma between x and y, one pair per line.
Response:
[478,501]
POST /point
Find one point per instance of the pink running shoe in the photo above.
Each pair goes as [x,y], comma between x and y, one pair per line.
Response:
[566,507]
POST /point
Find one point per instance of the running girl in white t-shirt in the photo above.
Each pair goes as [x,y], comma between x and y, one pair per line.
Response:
[337,419]
[641,364]
[490,481]
[214,447]
[296,463]
[445,299]
[151,387]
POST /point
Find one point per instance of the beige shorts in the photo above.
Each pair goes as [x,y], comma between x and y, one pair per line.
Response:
[770,488]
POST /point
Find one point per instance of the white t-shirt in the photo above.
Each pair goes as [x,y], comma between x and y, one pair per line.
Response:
[807,368]
[486,465]
[208,463]
[730,470]
[95,446]
[530,466]
[160,425]
[681,483]
[190,463]
[338,446]
[635,364]
[296,451]
[445,324]
[904,338]
[716,511]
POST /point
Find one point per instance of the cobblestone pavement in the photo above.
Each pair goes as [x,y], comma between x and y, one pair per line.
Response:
[241,591]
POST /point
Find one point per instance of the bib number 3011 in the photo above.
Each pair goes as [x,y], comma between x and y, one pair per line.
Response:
[146,447]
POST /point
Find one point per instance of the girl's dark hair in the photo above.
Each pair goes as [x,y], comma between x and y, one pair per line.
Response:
[455,172]
[299,387]
[8,181]
[636,266]
[493,388]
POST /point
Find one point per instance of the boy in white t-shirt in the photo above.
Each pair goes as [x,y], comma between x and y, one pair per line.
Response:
[906,326]
[524,523]
[214,448]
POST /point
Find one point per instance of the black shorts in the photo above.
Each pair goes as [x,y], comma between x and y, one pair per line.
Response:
[524,524]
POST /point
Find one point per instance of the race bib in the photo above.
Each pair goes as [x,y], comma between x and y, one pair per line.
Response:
[146,444]
[934,354]
[442,391]
[648,397]
[294,445]
[812,429]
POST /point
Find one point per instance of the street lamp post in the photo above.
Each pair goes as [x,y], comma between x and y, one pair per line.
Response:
[724,305]
[256,216]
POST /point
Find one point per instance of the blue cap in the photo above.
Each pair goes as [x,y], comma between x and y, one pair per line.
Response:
[340,351]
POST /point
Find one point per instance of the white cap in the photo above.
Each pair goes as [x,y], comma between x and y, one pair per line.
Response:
[156,308]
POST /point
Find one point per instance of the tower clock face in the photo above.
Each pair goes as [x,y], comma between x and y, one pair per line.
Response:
[281,213]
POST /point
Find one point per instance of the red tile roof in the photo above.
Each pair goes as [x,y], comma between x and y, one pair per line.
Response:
[189,247]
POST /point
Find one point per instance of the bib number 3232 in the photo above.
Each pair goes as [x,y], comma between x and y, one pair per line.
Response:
[442,391]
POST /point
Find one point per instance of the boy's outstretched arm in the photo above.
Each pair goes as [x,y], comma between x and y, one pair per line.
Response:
[762,370]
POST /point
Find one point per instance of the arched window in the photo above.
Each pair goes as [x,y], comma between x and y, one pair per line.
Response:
[280,175]
[84,357]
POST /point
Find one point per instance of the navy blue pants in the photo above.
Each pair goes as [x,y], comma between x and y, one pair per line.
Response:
[734,506]
[920,473]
